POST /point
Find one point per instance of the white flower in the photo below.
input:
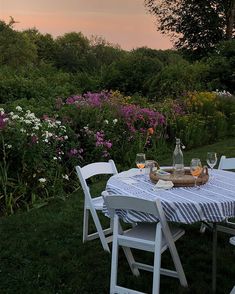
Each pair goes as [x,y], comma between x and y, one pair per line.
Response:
[47,134]
[66,137]
[28,122]
[36,127]
[58,122]
[15,116]
[46,140]
[18,108]
[55,158]
[66,177]
[2,110]
[115,121]
[22,130]
[106,122]
[8,146]
[5,119]
[30,116]
[42,180]
[11,113]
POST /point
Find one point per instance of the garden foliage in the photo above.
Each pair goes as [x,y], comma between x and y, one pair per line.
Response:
[39,150]
[54,113]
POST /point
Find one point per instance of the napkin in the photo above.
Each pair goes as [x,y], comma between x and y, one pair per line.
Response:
[163,185]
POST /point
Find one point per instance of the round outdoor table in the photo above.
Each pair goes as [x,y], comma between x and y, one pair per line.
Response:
[212,202]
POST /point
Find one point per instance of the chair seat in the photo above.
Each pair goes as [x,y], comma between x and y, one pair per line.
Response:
[98,202]
[144,233]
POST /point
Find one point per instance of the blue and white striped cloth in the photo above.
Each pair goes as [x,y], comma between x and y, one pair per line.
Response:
[213,202]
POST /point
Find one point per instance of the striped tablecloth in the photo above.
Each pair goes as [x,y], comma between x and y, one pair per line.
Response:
[213,202]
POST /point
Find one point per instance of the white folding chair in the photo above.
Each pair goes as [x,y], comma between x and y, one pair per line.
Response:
[92,205]
[150,237]
[227,227]
[224,164]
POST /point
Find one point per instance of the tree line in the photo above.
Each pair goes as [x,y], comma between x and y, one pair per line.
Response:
[36,65]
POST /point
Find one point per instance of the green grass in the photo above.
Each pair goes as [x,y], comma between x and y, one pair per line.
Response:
[41,251]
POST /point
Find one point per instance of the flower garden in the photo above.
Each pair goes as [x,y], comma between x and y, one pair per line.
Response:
[41,145]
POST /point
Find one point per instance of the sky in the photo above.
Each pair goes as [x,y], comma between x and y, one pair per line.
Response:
[123,22]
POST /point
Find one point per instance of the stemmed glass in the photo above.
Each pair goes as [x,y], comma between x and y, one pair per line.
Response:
[140,161]
[195,169]
[211,160]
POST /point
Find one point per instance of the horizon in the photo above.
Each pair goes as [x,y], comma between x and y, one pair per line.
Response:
[122,22]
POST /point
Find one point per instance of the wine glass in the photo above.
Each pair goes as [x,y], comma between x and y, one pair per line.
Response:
[195,169]
[140,161]
[211,160]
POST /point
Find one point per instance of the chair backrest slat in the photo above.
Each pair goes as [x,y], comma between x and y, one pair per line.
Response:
[226,163]
[132,203]
[98,168]
[92,169]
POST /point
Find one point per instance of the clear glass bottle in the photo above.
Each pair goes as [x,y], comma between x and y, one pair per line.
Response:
[178,160]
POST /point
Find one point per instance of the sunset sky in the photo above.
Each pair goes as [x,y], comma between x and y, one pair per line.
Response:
[123,22]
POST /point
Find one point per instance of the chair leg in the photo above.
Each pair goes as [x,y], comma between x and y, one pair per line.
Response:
[177,263]
[114,263]
[214,249]
[85,224]
[131,261]
[100,230]
[129,256]
[202,228]
[157,260]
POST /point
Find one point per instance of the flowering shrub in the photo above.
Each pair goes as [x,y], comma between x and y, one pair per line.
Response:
[204,103]
[108,125]
[34,153]
[89,99]
[39,152]
[140,119]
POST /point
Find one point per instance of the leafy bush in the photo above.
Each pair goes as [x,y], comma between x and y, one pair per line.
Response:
[35,156]
[177,79]
[41,145]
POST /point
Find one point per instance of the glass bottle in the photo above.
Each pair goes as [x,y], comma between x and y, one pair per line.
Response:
[178,160]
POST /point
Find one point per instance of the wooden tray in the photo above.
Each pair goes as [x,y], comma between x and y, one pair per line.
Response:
[185,181]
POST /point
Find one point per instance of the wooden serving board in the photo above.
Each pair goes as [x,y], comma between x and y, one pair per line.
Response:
[185,181]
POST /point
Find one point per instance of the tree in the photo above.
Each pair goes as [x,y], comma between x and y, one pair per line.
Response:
[45,44]
[195,25]
[16,49]
[131,73]
[72,50]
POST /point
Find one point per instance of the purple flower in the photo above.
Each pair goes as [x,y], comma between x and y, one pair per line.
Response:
[34,139]
[3,120]
[108,144]
[73,152]
[138,118]
[90,99]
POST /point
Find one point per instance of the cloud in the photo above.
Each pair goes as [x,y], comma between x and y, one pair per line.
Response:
[119,21]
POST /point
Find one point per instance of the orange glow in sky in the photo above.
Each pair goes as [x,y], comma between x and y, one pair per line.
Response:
[123,22]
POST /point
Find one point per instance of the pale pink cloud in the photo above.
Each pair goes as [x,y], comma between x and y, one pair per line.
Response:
[118,21]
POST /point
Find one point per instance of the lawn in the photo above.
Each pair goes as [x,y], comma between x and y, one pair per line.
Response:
[41,250]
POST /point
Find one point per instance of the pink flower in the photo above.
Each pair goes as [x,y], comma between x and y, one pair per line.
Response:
[34,139]
[108,144]
[73,152]
[3,120]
